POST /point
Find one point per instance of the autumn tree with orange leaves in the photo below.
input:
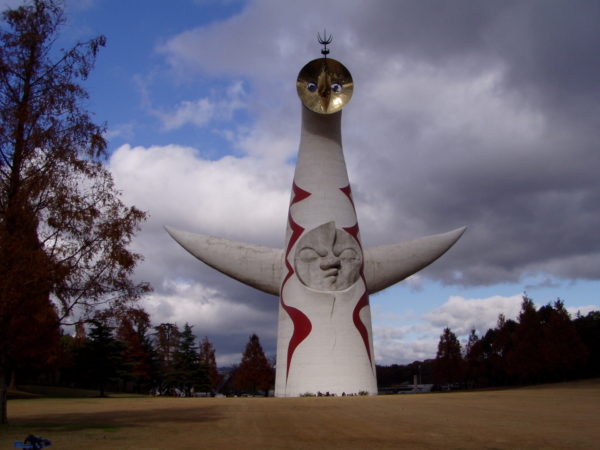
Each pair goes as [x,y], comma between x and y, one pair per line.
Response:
[64,231]
[254,374]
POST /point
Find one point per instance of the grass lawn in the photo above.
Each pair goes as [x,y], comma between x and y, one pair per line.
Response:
[565,416]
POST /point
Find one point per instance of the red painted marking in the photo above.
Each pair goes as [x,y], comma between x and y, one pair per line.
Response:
[346,190]
[302,325]
[360,326]
[354,230]
[299,194]
[297,231]
[302,328]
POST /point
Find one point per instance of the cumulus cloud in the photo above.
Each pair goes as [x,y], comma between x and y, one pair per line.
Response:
[462,315]
[400,351]
[230,196]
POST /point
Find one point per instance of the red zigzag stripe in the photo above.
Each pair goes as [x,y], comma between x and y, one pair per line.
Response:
[302,325]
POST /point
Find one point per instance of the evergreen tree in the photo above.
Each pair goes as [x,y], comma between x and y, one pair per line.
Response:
[101,356]
[563,352]
[448,365]
[189,373]
[166,345]
[254,374]
[588,329]
[474,359]
[525,362]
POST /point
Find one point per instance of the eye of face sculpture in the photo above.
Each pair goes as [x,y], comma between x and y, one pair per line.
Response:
[328,259]
[324,85]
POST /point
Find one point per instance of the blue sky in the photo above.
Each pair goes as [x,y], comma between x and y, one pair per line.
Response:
[472,113]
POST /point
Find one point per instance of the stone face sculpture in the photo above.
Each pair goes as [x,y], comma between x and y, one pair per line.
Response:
[322,276]
[328,259]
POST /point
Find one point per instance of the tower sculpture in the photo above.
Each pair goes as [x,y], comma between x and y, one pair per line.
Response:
[323,276]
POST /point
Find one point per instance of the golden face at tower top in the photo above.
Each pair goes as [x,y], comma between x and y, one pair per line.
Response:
[324,85]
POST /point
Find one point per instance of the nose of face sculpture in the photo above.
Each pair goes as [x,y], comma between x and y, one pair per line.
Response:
[331,262]
[324,89]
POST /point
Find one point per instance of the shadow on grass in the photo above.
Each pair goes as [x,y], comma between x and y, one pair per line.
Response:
[114,420]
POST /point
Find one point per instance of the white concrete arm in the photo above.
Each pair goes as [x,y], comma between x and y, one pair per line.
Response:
[254,265]
[389,264]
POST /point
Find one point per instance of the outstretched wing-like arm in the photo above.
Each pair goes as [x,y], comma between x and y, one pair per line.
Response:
[389,264]
[254,265]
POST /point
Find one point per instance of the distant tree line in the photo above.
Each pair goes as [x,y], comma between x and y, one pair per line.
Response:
[540,346]
[125,353]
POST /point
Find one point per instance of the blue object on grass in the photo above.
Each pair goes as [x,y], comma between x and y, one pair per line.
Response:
[33,442]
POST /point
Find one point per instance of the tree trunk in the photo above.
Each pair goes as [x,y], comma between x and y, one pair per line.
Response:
[3,396]
[13,380]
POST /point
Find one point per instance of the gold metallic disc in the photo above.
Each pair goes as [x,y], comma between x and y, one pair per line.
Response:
[324,85]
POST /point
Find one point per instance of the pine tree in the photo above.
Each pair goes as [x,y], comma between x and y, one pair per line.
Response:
[101,356]
[190,375]
[448,365]
[525,360]
[166,345]
[474,359]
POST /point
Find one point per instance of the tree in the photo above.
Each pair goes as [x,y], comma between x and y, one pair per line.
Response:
[207,358]
[101,356]
[254,374]
[166,345]
[64,231]
[138,355]
[189,373]
[474,359]
[563,352]
[525,362]
[448,364]
[588,328]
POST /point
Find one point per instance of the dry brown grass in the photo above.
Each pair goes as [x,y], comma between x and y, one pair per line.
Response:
[565,416]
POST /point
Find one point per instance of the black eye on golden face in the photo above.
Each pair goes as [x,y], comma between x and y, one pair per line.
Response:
[336,87]
[312,87]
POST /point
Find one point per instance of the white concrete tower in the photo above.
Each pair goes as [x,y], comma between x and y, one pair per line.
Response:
[323,276]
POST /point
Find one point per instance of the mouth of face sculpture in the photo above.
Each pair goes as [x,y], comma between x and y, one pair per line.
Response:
[328,259]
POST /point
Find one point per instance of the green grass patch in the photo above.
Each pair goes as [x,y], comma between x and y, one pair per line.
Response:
[56,392]
[36,391]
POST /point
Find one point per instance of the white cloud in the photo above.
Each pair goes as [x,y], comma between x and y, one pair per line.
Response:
[400,351]
[462,315]
[242,197]
[220,106]
[211,313]
[583,310]
[403,344]
[124,131]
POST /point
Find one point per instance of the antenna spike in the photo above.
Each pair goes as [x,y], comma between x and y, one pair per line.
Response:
[324,41]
